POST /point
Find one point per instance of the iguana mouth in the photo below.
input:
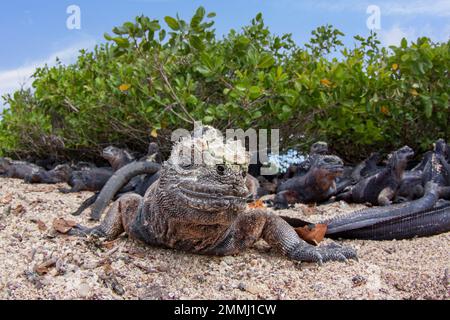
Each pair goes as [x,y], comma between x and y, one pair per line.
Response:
[218,194]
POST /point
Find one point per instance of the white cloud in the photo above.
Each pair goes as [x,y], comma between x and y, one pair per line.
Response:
[14,79]
[440,8]
[394,35]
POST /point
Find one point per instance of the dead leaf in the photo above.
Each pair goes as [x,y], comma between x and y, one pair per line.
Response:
[313,234]
[18,210]
[154,133]
[63,226]
[384,110]
[414,92]
[125,87]
[41,225]
[326,82]
[258,204]
[395,67]
[45,267]
[6,199]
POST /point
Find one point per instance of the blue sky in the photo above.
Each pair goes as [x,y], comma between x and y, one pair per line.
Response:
[33,33]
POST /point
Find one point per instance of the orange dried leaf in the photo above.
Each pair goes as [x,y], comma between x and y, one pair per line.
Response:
[6,199]
[63,226]
[41,225]
[414,92]
[395,67]
[384,110]
[19,209]
[124,87]
[326,82]
[258,204]
[313,234]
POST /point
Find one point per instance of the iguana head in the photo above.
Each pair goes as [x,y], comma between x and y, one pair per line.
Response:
[5,163]
[64,171]
[319,147]
[399,158]
[329,166]
[206,173]
[116,157]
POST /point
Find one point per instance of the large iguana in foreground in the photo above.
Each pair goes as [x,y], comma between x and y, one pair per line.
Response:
[202,207]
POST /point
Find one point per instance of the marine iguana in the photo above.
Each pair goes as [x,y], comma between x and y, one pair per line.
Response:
[380,189]
[95,178]
[17,169]
[316,186]
[59,174]
[319,148]
[200,207]
[363,170]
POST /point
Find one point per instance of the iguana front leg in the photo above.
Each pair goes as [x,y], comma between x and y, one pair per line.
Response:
[117,220]
[253,225]
[385,197]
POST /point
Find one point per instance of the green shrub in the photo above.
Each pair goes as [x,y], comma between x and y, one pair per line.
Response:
[146,81]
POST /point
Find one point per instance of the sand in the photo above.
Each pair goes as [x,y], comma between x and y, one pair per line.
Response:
[38,263]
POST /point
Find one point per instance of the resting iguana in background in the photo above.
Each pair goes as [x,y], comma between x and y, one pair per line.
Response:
[380,189]
[201,207]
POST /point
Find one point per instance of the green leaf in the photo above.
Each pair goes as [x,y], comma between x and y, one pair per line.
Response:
[208,119]
[154,26]
[266,61]
[172,23]
[211,15]
[196,42]
[404,43]
[255,92]
[198,17]
[162,35]
[107,36]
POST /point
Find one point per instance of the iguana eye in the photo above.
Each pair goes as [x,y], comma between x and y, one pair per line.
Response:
[220,169]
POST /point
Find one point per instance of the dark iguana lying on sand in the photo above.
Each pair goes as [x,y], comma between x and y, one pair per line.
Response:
[319,148]
[380,189]
[399,221]
[94,179]
[59,174]
[317,185]
[17,169]
[363,170]
[201,207]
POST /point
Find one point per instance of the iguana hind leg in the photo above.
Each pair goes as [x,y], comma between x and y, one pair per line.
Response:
[116,221]
[256,224]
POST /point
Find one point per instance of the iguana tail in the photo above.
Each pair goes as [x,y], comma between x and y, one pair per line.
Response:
[120,178]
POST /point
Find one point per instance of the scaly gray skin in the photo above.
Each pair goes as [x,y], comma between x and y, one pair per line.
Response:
[316,186]
[17,169]
[94,179]
[202,209]
[380,189]
[59,174]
